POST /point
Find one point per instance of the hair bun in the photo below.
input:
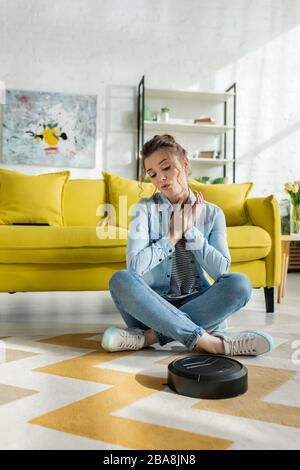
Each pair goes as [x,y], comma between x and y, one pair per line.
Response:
[162,142]
[168,139]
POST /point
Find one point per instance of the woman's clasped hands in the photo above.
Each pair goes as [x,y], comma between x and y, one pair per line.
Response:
[184,216]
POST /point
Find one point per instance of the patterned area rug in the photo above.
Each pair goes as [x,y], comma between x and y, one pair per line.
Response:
[64,391]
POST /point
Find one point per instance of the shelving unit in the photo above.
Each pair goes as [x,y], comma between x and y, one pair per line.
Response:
[183,100]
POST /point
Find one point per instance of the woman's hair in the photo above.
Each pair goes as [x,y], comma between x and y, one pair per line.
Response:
[165,143]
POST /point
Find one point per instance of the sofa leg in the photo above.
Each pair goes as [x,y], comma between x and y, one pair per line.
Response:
[269,298]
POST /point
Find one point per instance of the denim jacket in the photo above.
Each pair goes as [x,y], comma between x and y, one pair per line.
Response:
[149,251]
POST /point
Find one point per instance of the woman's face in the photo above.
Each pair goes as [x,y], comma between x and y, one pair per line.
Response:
[165,176]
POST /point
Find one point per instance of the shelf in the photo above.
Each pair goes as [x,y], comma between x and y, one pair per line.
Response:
[188,95]
[186,105]
[196,128]
[212,161]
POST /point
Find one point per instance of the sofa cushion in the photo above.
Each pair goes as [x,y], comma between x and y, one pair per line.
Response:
[248,243]
[27,244]
[132,190]
[230,197]
[32,199]
[82,198]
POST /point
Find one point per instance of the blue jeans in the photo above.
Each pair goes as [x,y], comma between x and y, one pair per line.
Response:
[186,320]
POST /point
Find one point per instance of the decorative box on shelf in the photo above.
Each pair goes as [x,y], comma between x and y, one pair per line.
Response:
[208,154]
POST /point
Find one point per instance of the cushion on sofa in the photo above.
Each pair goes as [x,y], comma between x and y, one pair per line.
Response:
[48,245]
[32,199]
[230,197]
[27,244]
[248,243]
[132,190]
[82,198]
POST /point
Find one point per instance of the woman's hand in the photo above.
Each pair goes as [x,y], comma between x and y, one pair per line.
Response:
[190,212]
[183,218]
[176,226]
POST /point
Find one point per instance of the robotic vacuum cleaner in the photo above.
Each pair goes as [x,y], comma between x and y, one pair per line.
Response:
[209,377]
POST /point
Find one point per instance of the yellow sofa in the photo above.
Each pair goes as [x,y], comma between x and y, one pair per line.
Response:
[72,257]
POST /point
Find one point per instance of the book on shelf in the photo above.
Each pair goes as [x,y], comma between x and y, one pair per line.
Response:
[204,120]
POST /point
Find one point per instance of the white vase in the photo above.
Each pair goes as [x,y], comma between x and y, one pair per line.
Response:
[295,218]
[164,117]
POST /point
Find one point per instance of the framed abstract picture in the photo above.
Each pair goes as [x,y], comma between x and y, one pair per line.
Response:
[49,129]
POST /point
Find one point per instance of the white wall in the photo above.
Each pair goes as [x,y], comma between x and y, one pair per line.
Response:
[103,47]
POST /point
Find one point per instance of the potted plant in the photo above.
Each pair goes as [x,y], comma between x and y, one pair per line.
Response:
[164,114]
[293,190]
[202,179]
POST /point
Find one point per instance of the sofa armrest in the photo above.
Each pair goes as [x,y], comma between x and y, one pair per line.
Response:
[265,213]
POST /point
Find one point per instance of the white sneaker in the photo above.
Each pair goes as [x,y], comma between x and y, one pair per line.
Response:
[119,339]
[246,343]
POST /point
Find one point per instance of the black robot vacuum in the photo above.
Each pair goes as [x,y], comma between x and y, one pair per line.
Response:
[208,377]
